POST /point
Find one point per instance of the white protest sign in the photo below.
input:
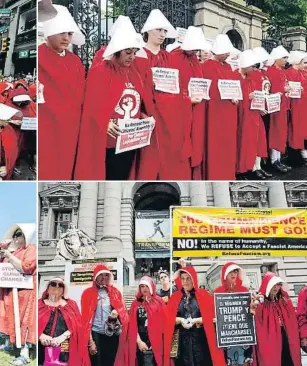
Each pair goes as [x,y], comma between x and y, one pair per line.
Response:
[11,278]
[199,88]
[295,89]
[181,32]
[166,80]
[273,102]
[234,63]
[258,102]
[40,93]
[135,133]
[230,89]
[29,124]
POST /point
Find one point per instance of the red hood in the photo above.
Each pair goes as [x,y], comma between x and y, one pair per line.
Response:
[102,268]
[268,281]
[189,270]
[146,280]
[224,270]
[21,82]
[19,91]
[32,90]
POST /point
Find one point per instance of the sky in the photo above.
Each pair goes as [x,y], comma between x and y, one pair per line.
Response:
[17,204]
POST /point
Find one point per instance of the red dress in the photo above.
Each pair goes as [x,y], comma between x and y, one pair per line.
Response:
[167,158]
[304,105]
[251,131]
[221,134]
[279,120]
[59,116]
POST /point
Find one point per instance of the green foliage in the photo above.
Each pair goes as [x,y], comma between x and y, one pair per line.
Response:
[284,14]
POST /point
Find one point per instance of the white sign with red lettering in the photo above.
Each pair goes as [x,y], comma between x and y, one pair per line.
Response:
[199,88]
[11,278]
[273,102]
[295,89]
[258,101]
[166,80]
[135,133]
[29,124]
[230,89]
[181,32]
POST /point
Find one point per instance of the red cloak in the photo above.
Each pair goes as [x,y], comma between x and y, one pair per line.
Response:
[206,305]
[221,134]
[155,314]
[225,288]
[279,120]
[295,134]
[302,312]
[72,317]
[267,320]
[251,131]
[304,104]
[63,79]
[98,108]
[98,56]
[168,155]
[8,140]
[89,301]
[190,67]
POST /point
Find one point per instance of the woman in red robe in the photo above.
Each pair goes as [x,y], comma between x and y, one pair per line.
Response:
[167,158]
[145,334]
[62,76]
[277,331]
[252,144]
[185,59]
[302,317]
[23,258]
[304,107]
[122,96]
[103,349]
[191,312]
[222,115]
[59,325]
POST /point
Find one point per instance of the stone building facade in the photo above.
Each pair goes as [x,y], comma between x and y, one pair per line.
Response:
[106,212]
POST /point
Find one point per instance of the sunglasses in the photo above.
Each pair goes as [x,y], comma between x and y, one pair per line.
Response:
[56,284]
[17,235]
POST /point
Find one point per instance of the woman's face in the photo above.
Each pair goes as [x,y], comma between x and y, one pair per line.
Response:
[247,70]
[305,64]
[55,290]
[281,62]
[232,276]
[203,56]
[186,281]
[275,289]
[157,36]
[103,279]
[60,42]
[19,239]
[164,278]
[144,290]
[127,56]
[222,58]
[191,53]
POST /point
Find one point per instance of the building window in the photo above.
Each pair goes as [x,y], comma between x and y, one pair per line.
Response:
[61,222]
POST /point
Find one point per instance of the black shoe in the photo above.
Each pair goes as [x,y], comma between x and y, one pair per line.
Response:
[242,176]
[255,175]
[304,160]
[286,166]
[266,174]
[259,175]
[279,167]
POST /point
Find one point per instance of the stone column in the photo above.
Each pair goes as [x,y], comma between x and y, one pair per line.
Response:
[277,195]
[198,194]
[88,208]
[221,194]
[297,37]
[112,210]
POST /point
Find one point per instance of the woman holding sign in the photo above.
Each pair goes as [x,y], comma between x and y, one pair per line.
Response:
[168,155]
[22,255]
[106,148]
[225,93]
[278,341]
[193,105]
[252,144]
[189,335]
[232,278]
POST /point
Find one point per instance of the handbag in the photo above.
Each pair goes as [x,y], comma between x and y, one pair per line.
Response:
[52,355]
[148,358]
[175,344]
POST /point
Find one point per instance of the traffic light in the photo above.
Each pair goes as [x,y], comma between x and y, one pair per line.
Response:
[5,44]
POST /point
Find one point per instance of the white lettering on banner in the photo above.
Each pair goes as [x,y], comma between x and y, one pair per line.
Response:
[230,89]
[295,89]
[135,133]
[11,278]
[166,80]
[199,88]
[273,102]
[258,102]
[29,123]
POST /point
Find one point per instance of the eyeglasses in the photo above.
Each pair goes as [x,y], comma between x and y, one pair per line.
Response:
[17,235]
[56,284]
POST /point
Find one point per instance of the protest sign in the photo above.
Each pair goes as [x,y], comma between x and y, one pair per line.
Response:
[11,278]
[235,325]
[181,32]
[230,89]
[152,234]
[135,133]
[258,102]
[234,63]
[212,231]
[295,89]
[166,80]
[199,88]
[273,102]
[29,123]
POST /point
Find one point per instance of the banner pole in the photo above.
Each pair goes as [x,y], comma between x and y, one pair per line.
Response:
[16,317]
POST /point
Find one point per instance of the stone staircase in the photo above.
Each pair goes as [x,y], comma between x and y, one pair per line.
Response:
[129,295]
